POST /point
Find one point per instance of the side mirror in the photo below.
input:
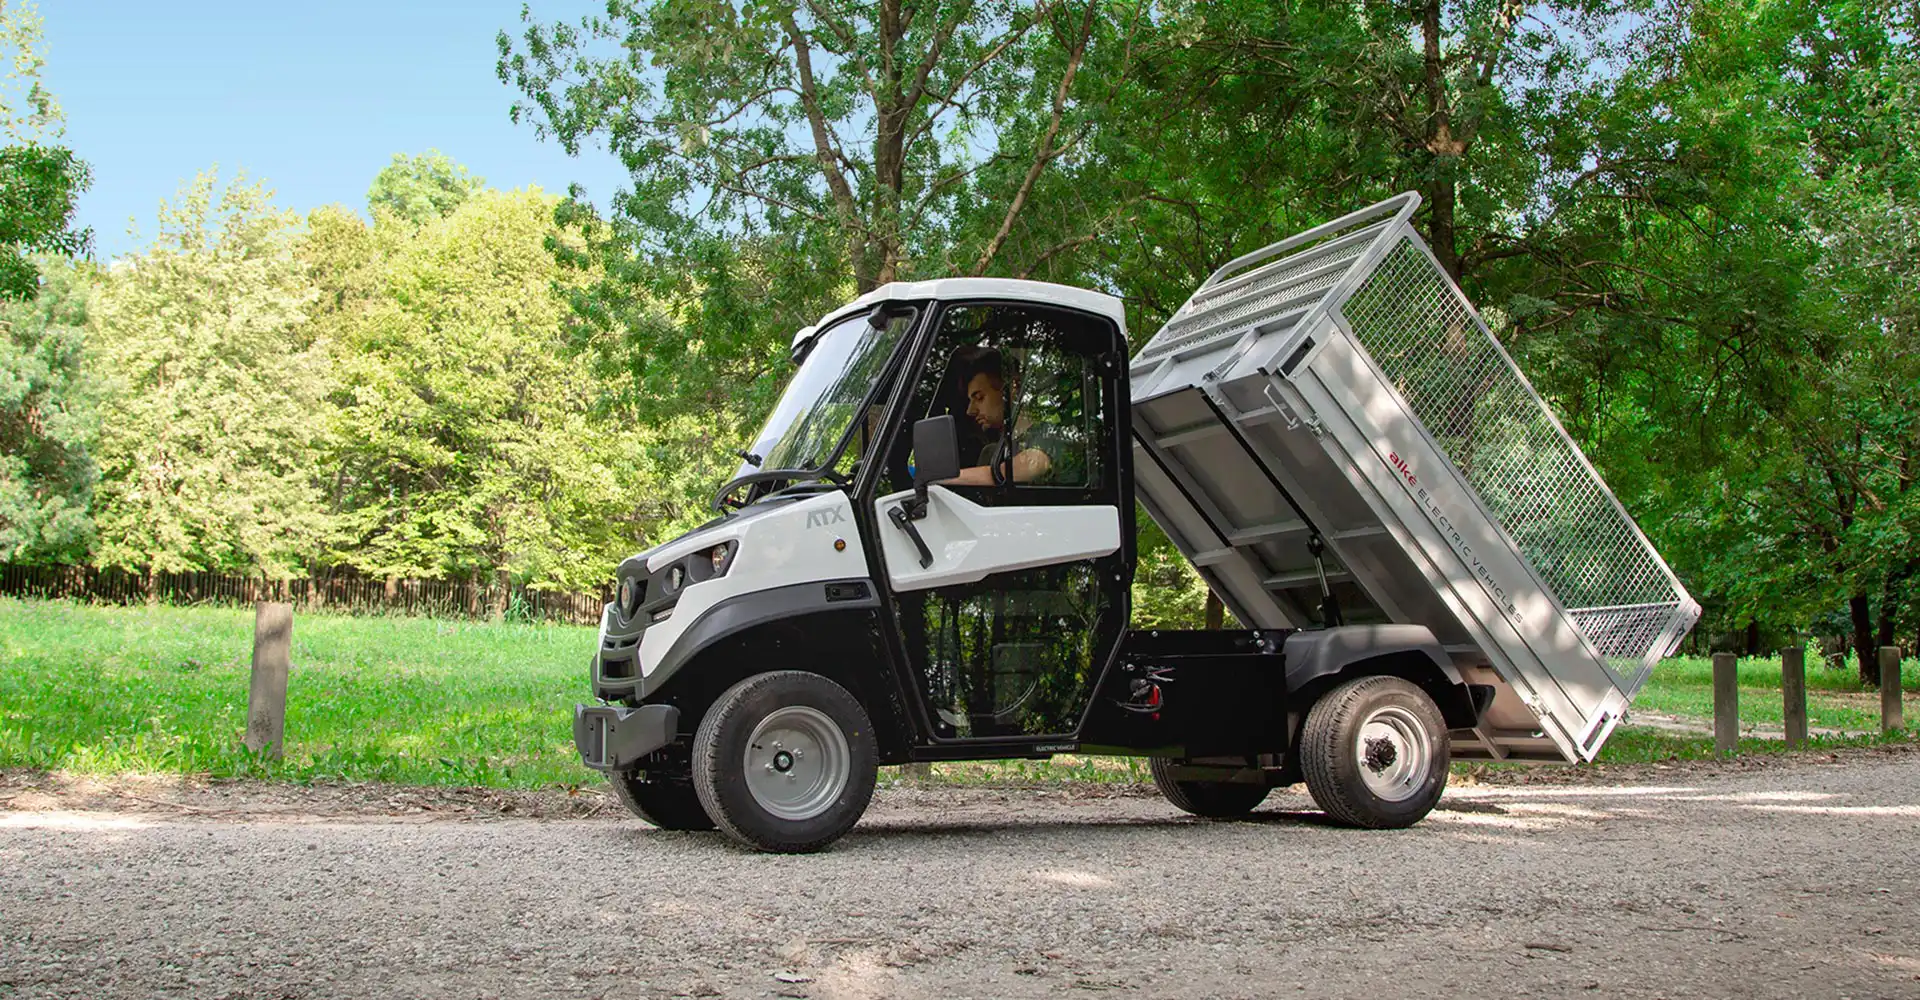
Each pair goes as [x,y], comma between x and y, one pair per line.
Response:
[936,452]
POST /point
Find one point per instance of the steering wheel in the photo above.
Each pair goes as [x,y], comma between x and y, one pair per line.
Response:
[724,500]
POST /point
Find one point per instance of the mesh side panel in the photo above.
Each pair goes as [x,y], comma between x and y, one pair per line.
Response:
[1214,315]
[1500,436]
[1626,633]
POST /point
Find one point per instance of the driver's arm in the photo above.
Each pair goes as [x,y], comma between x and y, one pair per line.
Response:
[1029,465]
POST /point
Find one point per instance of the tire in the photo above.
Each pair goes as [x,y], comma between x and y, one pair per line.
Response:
[667,804]
[1212,799]
[1375,753]
[751,768]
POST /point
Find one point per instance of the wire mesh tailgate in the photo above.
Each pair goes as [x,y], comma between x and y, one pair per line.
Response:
[1337,384]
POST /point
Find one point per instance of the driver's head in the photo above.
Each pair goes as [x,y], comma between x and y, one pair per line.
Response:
[986,395]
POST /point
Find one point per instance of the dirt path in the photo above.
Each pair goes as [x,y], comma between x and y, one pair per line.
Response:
[1782,882]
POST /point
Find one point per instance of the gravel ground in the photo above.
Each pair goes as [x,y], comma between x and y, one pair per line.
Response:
[1785,881]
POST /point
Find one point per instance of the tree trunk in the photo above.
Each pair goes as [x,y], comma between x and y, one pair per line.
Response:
[1445,147]
[1216,612]
[501,585]
[1440,225]
[1753,637]
[1860,609]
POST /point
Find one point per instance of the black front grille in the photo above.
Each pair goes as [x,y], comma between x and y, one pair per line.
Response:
[619,657]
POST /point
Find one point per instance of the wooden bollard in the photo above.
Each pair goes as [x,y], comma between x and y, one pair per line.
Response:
[1890,714]
[267,691]
[1793,688]
[1726,704]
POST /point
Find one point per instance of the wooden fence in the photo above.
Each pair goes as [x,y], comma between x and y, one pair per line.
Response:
[340,594]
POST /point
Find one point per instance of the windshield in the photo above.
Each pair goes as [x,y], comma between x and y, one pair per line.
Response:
[819,405]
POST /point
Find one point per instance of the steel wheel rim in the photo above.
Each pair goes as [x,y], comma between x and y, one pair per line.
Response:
[797,763]
[1392,751]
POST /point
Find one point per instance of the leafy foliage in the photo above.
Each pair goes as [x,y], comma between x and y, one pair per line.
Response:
[38,180]
[469,441]
[27,110]
[47,420]
[210,458]
[38,185]
[421,188]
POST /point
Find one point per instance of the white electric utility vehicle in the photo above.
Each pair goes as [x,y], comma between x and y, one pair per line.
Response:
[929,551]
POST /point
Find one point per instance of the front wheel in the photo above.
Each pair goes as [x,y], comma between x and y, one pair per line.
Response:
[785,761]
[667,804]
[1212,799]
[1375,753]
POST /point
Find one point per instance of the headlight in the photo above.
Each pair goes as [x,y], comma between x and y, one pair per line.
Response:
[722,556]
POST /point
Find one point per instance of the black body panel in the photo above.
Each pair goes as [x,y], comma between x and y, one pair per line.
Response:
[1193,694]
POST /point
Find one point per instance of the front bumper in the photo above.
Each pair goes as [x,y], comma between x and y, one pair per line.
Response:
[616,737]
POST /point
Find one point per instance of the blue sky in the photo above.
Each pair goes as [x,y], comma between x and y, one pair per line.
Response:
[314,98]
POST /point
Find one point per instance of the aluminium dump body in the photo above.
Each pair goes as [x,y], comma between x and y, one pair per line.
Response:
[1338,383]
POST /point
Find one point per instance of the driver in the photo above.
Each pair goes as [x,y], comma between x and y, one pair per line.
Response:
[987,406]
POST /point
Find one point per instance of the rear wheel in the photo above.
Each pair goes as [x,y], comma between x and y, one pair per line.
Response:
[1375,753]
[667,804]
[1212,799]
[785,761]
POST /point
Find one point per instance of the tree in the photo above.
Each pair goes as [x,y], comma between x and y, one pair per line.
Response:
[785,157]
[27,110]
[216,393]
[1722,309]
[38,185]
[421,188]
[469,443]
[47,420]
[38,182]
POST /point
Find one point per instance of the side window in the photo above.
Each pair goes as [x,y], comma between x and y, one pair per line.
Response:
[1057,414]
[1024,386]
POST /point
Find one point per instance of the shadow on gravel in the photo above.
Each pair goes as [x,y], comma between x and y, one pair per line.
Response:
[934,829]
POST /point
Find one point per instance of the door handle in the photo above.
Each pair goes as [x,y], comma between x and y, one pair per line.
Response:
[898,515]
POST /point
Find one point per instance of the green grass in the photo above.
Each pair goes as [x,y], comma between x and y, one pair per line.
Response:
[1683,686]
[102,690]
[1643,745]
[408,700]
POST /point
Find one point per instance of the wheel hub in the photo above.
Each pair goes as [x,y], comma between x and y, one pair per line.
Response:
[1395,756]
[797,763]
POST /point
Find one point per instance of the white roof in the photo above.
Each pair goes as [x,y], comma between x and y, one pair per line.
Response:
[1044,292]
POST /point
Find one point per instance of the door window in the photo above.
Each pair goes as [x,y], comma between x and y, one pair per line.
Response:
[1025,388]
[1014,655]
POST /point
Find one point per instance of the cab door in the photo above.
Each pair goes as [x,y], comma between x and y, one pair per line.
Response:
[1021,596]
